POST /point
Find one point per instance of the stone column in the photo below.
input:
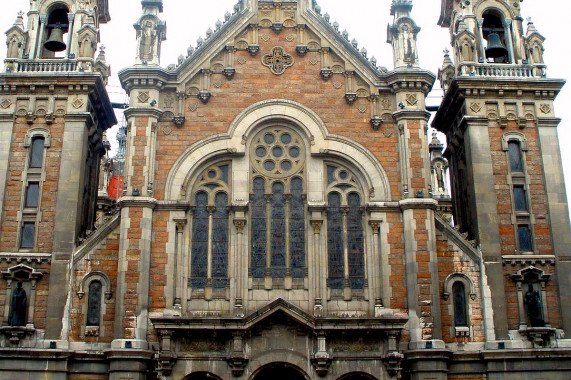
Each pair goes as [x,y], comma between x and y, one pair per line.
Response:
[178,264]
[241,266]
[481,37]
[318,263]
[6,130]
[70,17]
[508,28]
[558,212]
[376,264]
[67,216]
[39,46]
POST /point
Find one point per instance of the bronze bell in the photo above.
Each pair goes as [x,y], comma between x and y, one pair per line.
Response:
[495,48]
[55,42]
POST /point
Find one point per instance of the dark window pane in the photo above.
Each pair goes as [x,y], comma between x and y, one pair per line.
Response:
[335,242]
[297,230]
[28,235]
[516,160]
[520,199]
[355,242]
[330,174]
[220,242]
[278,241]
[259,225]
[459,299]
[32,193]
[199,254]
[37,153]
[524,237]
[94,304]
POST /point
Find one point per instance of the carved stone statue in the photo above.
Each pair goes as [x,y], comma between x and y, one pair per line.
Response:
[18,306]
[148,38]
[534,307]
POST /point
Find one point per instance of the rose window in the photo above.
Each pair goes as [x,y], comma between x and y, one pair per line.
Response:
[277,152]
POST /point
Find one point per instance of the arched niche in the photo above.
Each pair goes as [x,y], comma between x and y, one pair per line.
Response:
[279,371]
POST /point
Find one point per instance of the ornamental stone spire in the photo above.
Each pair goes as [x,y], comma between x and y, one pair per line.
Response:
[151,32]
[402,35]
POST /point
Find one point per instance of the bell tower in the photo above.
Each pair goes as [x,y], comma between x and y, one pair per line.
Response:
[54,111]
[505,164]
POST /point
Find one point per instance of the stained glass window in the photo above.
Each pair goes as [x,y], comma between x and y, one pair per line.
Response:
[459,299]
[516,159]
[297,230]
[524,237]
[28,235]
[278,240]
[520,199]
[259,229]
[220,242]
[335,244]
[37,152]
[355,244]
[199,241]
[94,303]
[32,193]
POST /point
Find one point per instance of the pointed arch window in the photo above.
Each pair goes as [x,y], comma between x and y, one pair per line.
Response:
[210,229]
[277,159]
[345,234]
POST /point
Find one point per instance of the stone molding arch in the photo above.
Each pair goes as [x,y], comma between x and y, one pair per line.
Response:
[359,375]
[233,143]
[199,375]
[452,278]
[502,6]
[92,276]
[283,362]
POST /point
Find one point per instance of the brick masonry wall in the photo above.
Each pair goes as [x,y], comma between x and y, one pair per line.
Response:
[13,195]
[102,259]
[252,83]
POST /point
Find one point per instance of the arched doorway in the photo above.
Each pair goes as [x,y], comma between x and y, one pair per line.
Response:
[357,376]
[279,371]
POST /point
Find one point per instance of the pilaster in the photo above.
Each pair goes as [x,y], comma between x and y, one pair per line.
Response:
[6,130]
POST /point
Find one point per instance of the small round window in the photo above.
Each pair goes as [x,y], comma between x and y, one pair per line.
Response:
[277,152]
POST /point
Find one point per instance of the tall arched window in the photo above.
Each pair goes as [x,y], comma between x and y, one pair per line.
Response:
[345,234]
[277,159]
[515,156]
[37,152]
[459,300]
[210,229]
[94,303]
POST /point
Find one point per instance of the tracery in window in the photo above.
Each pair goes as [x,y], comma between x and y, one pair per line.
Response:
[210,229]
[277,158]
[345,234]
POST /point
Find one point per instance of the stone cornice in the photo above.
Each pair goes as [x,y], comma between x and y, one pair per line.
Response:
[410,80]
[28,257]
[143,112]
[172,206]
[138,202]
[411,114]
[418,204]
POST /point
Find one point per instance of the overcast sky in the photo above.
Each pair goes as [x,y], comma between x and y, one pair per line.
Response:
[365,20]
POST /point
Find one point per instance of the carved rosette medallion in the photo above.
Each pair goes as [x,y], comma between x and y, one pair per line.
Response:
[277,60]
[545,108]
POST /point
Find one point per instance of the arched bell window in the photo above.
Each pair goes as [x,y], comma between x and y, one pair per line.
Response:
[494,32]
[55,32]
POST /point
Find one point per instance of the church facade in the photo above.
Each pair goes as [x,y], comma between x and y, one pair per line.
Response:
[284,211]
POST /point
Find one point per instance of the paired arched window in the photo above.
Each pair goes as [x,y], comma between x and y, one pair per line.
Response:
[210,229]
[345,236]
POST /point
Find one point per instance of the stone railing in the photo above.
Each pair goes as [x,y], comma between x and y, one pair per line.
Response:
[48,65]
[499,70]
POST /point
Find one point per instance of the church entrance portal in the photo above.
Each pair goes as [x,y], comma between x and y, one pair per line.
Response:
[279,372]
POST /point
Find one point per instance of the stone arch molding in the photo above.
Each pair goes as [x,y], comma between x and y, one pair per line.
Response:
[233,143]
[92,276]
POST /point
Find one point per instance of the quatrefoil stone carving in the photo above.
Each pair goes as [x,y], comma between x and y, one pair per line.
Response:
[277,60]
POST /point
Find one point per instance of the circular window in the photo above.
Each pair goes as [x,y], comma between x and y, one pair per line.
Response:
[343,174]
[286,138]
[261,152]
[294,152]
[286,166]
[211,174]
[277,151]
[269,138]
[269,165]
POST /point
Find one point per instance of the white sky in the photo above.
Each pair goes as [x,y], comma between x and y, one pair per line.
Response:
[365,20]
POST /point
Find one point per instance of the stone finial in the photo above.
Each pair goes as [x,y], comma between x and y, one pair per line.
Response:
[101,56]
[19,20]
[530,27]
[152,6]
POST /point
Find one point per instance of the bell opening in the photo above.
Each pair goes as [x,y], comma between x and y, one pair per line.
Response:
[494,32]
[56,28]
[495,48]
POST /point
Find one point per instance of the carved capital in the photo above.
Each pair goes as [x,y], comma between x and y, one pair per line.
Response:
[179,121]
[350,97]
[180,223]
[240,224]
[376,122]
[301,50]
[375,225]
[326,73]
[316,224]
[237,364]
[253,50]
[204,96]
[229,72]
[393,362]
